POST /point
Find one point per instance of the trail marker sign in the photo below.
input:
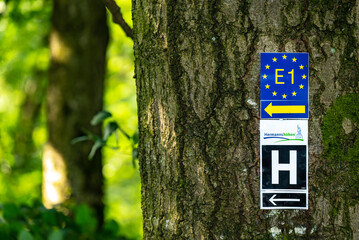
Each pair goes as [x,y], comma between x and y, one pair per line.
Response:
[284,85]
[284,164]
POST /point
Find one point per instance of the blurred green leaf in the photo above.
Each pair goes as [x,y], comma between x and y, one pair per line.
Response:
[11,211]
[97,145]
[56,235]
[80,139]
[135,137]
[49,217]
[99,117]
[25,235]
[90,135]
[4,231]
[116,137]
[85,219]
[134,156]
[111,227]
[110,128]
[16,226]
[124,132]
[51,224]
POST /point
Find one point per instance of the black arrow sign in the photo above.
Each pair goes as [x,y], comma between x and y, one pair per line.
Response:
[274,200]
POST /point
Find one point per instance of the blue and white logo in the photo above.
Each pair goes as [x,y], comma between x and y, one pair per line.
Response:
[299,133]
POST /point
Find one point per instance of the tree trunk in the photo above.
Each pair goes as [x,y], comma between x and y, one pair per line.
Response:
[78,44]
[198,74]
[25,154]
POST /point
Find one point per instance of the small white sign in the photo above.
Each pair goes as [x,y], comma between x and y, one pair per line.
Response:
[284,164]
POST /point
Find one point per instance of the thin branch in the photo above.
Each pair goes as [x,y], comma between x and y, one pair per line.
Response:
[117,18]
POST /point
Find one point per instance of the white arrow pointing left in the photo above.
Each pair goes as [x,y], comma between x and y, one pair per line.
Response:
[273,200]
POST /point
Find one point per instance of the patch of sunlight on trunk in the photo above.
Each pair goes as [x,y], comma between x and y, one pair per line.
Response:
[55,188]
[59,49]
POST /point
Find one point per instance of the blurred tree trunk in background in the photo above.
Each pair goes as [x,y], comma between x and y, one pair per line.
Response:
[24,148]
[198,74]
[78,43]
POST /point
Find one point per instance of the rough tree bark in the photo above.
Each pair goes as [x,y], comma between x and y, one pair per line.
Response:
[78,43]
[198,73]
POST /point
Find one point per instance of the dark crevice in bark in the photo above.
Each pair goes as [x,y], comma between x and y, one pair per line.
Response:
[252,112]
[176,73]
[155,165]
[214,101]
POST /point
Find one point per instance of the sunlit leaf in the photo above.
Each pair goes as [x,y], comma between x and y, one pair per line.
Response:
[99,117]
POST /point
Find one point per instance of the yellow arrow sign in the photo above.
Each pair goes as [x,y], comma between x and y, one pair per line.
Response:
[270,109]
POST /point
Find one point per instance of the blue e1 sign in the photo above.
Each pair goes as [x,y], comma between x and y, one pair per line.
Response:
[284,85]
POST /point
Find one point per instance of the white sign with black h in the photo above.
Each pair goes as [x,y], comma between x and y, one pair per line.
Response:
[284,164]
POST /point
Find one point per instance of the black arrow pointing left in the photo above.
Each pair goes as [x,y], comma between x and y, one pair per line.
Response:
[284,200]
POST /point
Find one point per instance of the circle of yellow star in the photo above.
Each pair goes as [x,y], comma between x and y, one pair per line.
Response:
[304,77]
[267,86]
[267,66]
[294,59]
[274,59]
[284,57]
[301,86]
[274,93]
[301,67]
[294,93]
[284,96]
[264,76]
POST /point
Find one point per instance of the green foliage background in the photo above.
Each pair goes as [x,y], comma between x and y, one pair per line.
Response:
[24,61]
